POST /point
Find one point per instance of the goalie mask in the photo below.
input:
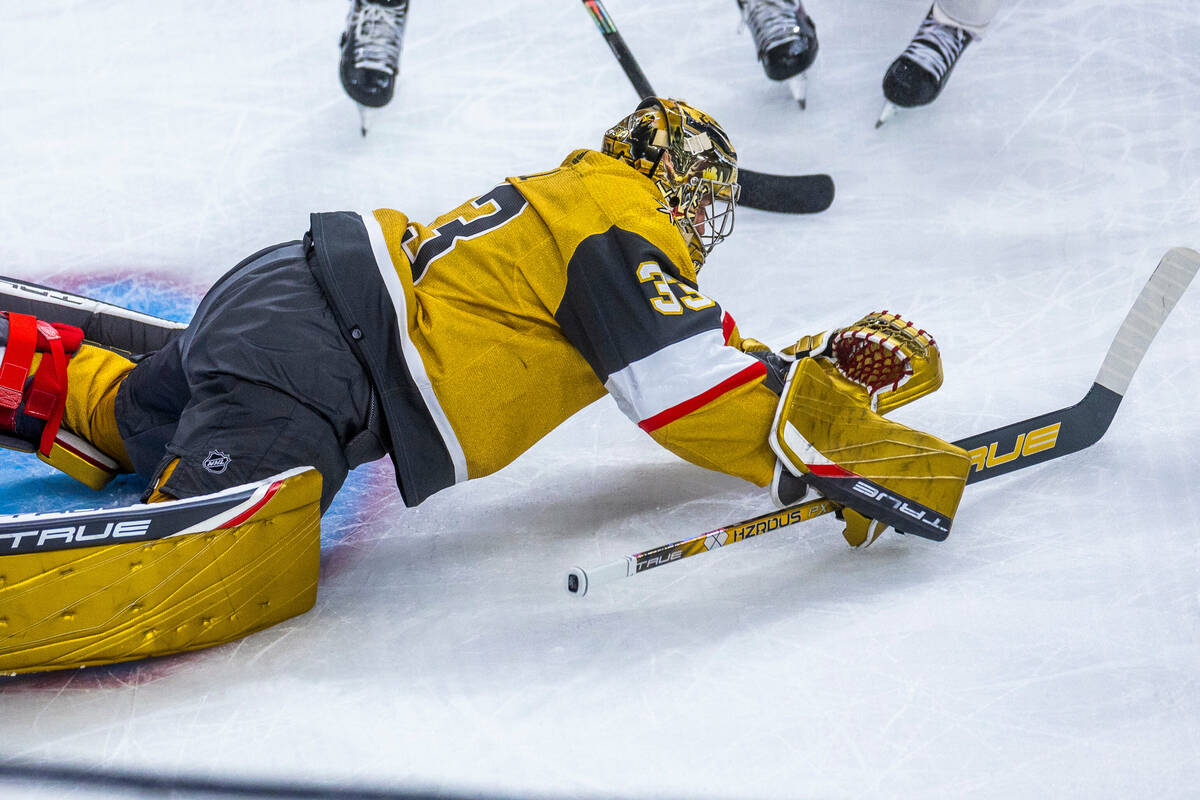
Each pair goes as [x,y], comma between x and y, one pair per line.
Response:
[689,158]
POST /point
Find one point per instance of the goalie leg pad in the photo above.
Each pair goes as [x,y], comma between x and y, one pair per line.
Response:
[826,431]
[109,326]
[251,566]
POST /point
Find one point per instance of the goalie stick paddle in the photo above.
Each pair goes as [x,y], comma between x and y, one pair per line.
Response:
[787,194]
[993,453]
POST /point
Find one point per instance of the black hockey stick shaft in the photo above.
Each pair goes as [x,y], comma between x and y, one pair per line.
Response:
[993,453]
[616,43]
[789,194]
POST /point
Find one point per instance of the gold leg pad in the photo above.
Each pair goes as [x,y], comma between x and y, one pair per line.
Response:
[100,605]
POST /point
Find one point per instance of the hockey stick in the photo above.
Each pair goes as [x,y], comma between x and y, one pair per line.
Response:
[995,452]
[788,194]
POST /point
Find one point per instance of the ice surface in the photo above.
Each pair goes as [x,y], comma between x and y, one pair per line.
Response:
[1049,648]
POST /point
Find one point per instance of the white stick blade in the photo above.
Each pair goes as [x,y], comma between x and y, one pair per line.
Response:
[1160,294]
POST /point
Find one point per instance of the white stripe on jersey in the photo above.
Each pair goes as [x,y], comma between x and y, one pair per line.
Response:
[383,260]
[675,374]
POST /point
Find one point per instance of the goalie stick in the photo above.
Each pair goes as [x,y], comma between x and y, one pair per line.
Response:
[995,452]
[788,194]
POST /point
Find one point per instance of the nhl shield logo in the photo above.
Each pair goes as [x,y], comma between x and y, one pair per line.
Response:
[216,462]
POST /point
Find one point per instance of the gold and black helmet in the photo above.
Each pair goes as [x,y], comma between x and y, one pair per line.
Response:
[690,159]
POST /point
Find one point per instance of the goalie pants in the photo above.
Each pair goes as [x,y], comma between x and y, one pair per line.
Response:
[261,381]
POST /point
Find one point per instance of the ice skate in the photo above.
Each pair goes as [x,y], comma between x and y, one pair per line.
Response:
[371,47]
[786,40]
[917,77]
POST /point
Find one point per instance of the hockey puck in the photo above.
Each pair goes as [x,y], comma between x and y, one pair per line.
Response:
[577,582]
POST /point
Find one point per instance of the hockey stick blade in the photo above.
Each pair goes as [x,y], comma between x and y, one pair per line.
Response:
[993,453]
[787,194]
[1069,430]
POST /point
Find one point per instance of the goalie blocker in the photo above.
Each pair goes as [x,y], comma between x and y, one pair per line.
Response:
[830,432]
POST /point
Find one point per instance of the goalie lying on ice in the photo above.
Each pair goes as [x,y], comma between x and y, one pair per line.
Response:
[453,347]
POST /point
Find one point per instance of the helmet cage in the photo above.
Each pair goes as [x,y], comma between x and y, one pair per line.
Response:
[691,161]
[703,203]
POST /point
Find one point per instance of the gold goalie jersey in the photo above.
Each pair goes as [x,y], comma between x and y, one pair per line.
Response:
[533,300]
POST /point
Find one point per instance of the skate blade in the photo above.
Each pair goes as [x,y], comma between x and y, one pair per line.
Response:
[365,116]
[798,85]
[889,111]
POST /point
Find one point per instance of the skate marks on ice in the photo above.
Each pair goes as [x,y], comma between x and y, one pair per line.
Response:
[1047,650]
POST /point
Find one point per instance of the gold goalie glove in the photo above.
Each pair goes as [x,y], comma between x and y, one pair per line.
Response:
[830,431]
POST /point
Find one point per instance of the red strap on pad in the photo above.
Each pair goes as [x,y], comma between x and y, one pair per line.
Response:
[18,356]
[47,396]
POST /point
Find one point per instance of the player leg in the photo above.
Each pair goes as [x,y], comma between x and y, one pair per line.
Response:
[973,16]
[57,396]
[234,432]
[920,73]
[239,396]
[176,576]
[113,327]
[261,382]
[371,45]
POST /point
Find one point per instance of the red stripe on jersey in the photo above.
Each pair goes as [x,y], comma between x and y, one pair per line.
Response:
[727,326]
[756,370]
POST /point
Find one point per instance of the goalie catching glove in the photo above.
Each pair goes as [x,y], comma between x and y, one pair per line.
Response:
[895,361]
[829,429]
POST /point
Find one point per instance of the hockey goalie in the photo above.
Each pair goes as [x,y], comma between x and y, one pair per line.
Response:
[450,347]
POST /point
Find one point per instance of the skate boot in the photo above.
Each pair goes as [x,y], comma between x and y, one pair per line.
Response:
[33,398]
[786,39]
[371,52]
[917,77]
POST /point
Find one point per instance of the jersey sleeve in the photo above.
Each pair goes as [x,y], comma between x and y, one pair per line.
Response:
[659,347]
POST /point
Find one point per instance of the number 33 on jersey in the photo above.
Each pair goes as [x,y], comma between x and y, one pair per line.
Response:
[667,302]
[530,302]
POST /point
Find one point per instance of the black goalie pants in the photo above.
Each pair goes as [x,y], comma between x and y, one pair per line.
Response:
[261,381]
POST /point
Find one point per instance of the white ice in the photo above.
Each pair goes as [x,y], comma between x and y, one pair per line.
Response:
[1049,648]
